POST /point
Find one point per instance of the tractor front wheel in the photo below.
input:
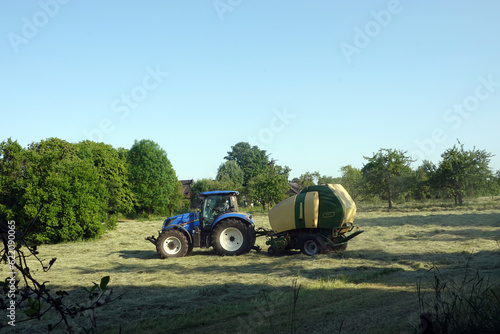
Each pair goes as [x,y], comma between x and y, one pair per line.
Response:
[232,237]
[312,245]
[172,243]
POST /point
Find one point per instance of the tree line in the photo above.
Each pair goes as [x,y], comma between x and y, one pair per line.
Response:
[86,186]
[388,176]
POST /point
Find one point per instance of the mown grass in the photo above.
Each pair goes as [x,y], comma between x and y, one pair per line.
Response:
[470,204]
[371,287]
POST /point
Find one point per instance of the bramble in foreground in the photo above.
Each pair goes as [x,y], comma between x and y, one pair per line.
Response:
[314,221]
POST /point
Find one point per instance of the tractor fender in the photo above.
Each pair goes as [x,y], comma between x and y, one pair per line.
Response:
[183,230]
[235,215]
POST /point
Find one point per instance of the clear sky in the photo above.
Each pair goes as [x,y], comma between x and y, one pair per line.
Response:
[318,84]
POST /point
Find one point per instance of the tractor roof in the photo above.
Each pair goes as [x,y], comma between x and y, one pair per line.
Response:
[220,192]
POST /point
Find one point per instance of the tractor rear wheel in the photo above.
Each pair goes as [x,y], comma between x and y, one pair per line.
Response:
[172,243]
[232,237]
[312,245]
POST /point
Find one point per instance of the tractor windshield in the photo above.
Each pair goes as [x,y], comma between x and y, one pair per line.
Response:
[216,205]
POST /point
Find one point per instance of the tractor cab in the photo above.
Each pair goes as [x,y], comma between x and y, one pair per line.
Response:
[216,203]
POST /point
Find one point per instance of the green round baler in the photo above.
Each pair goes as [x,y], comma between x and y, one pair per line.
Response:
[315,220]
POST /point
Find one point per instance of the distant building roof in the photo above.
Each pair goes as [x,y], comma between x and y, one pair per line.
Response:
[295,188]
[186,187]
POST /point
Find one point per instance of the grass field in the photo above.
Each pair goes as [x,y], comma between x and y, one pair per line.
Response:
[371,287]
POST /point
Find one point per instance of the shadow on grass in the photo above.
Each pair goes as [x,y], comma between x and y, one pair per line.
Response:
[391,269]
[137,254]
[245,308]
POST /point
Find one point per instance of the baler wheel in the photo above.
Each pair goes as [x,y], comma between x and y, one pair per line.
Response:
[271,250]
[312,245]
[172,243]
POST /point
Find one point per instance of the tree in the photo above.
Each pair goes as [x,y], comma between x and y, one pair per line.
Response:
[251,160]
[386,174]
[230,176]
[112,171]
[270,186]
[12,170]
[324,179]
[351,180]
[420,186]
[307,179]
[200,186]
[151,176]
[495,184]
[462,172]
[177,200]
[53,173]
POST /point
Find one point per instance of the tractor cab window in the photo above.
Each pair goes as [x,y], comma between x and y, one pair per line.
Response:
[217,205]
[227,203]
[210,209]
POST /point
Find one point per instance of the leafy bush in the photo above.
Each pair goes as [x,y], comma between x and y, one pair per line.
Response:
[78,192]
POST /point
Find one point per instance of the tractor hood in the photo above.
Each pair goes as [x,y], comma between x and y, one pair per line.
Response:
[181,220]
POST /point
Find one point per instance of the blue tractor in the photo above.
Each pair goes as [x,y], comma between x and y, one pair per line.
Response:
[218,225]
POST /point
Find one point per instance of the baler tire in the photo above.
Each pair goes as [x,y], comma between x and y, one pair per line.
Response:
[172,243]
[312,245]
[271,250]
[232,237]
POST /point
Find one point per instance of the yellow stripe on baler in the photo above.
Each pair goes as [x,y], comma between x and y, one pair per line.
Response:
[311,208]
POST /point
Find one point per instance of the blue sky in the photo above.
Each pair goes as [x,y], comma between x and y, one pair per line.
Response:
[318,84]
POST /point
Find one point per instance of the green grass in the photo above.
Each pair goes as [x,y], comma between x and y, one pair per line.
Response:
[371,287]
[470,204]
